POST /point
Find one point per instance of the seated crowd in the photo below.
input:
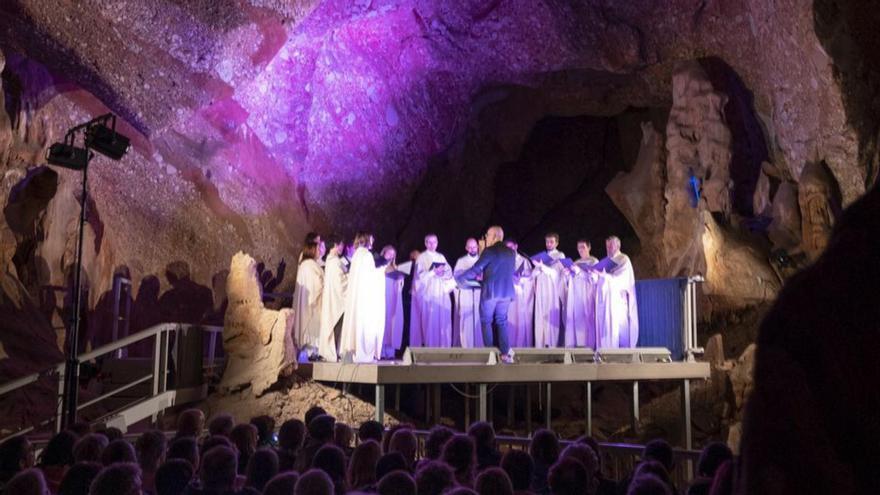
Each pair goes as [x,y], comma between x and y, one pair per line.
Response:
[319,456]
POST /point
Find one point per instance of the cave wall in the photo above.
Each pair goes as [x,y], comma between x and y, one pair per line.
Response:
[255,122]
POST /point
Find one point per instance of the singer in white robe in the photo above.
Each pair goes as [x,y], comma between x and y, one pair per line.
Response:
[616,308]
[363,324]
[393,339]
[580,301]
[332,300]
[307,300]
[466,328]
[549,291]
[521,314]
[431,320]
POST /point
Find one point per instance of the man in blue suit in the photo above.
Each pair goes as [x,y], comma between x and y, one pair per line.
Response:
[497,264]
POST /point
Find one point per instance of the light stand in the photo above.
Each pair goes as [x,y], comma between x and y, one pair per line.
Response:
[106,141]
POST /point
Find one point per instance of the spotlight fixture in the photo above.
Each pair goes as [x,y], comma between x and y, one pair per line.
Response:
[67,156]
[105,140]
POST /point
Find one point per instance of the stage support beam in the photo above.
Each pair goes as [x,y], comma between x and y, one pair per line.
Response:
[380,404]
[547,406]
[529,409]
[686,412]
[483,397]
[588,409]
[635,409]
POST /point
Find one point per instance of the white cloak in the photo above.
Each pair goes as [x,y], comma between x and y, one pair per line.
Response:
[307,304]
[580,305]
[549,291]
[332,305]
[616,309]
[393,314]
[466,329]
[521,315]
[431,317]
[363,324]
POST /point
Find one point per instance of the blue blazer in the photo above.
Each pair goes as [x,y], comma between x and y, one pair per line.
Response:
[497,264]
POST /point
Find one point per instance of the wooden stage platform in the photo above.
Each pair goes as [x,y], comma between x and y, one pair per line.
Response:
[386,373]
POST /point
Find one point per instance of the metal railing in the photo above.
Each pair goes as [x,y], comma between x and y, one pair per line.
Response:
[165,338]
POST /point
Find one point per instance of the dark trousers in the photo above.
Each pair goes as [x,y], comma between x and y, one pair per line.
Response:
[493,316]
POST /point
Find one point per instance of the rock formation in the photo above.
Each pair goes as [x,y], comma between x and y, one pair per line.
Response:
[257,341]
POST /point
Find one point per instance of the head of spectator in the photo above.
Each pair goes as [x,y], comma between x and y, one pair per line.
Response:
[265,426]
[16,454]
[434,478]
[291,434]
[568,477]
[659,450]
[185,448]
[150,449]
[90,447]
[405,442]
[493,480]
[397,483]
[280,484]
[544,447]
[78,478]
[59,450]
[484,440]
[584,454]
[173,476]
[244,438]
[343,436]
[519,468]
[722,483]
[331,460]
[656,469]
[313,413]
[362,467]
[371,430]
[215,441]
[262,466]
[460,454]
[122,478]
[221,425]
[27,482]
[648,484]
[386,439]
[322,429]
[712,456]
[437,438]
[112,433]
[392,461]
[314,482]
[118,451]
[219,469]
[190,423]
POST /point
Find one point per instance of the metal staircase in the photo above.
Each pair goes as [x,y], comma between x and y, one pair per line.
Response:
[135,388]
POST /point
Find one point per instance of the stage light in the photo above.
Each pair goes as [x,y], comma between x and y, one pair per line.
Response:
[67,156]
[444,355]
[107,141]
[636,355]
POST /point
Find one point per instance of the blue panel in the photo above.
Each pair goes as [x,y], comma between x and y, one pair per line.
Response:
[661,318]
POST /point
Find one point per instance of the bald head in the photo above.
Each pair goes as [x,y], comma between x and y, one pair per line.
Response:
[472,247]
[494,234]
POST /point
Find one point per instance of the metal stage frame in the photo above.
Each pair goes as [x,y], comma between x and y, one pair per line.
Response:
[386,373]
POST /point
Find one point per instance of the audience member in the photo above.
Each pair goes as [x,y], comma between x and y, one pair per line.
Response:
[173,476]
[184,448]
[331,460]
[56,458]
[90,447]
[122,478]
[544,450]
[313,413]
[262,467]
[371,430]
[16,454]
[281,484]
[585,455]
[724,479]
[218,471]
[150,449]
[221,425]
[712,456]
[362,467]
[493,481]
[460,454]
[568,477]
[392,461]
[265,426]
[27,482]
[290,440]
[434,478]
[244,438]
[648,484]
[314,482]
[342,437]
[397,483]
[484,439]
[520,469]
[190,423]
[605,485]
[79,478]
[405,442]
[321,430]
[118,451]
